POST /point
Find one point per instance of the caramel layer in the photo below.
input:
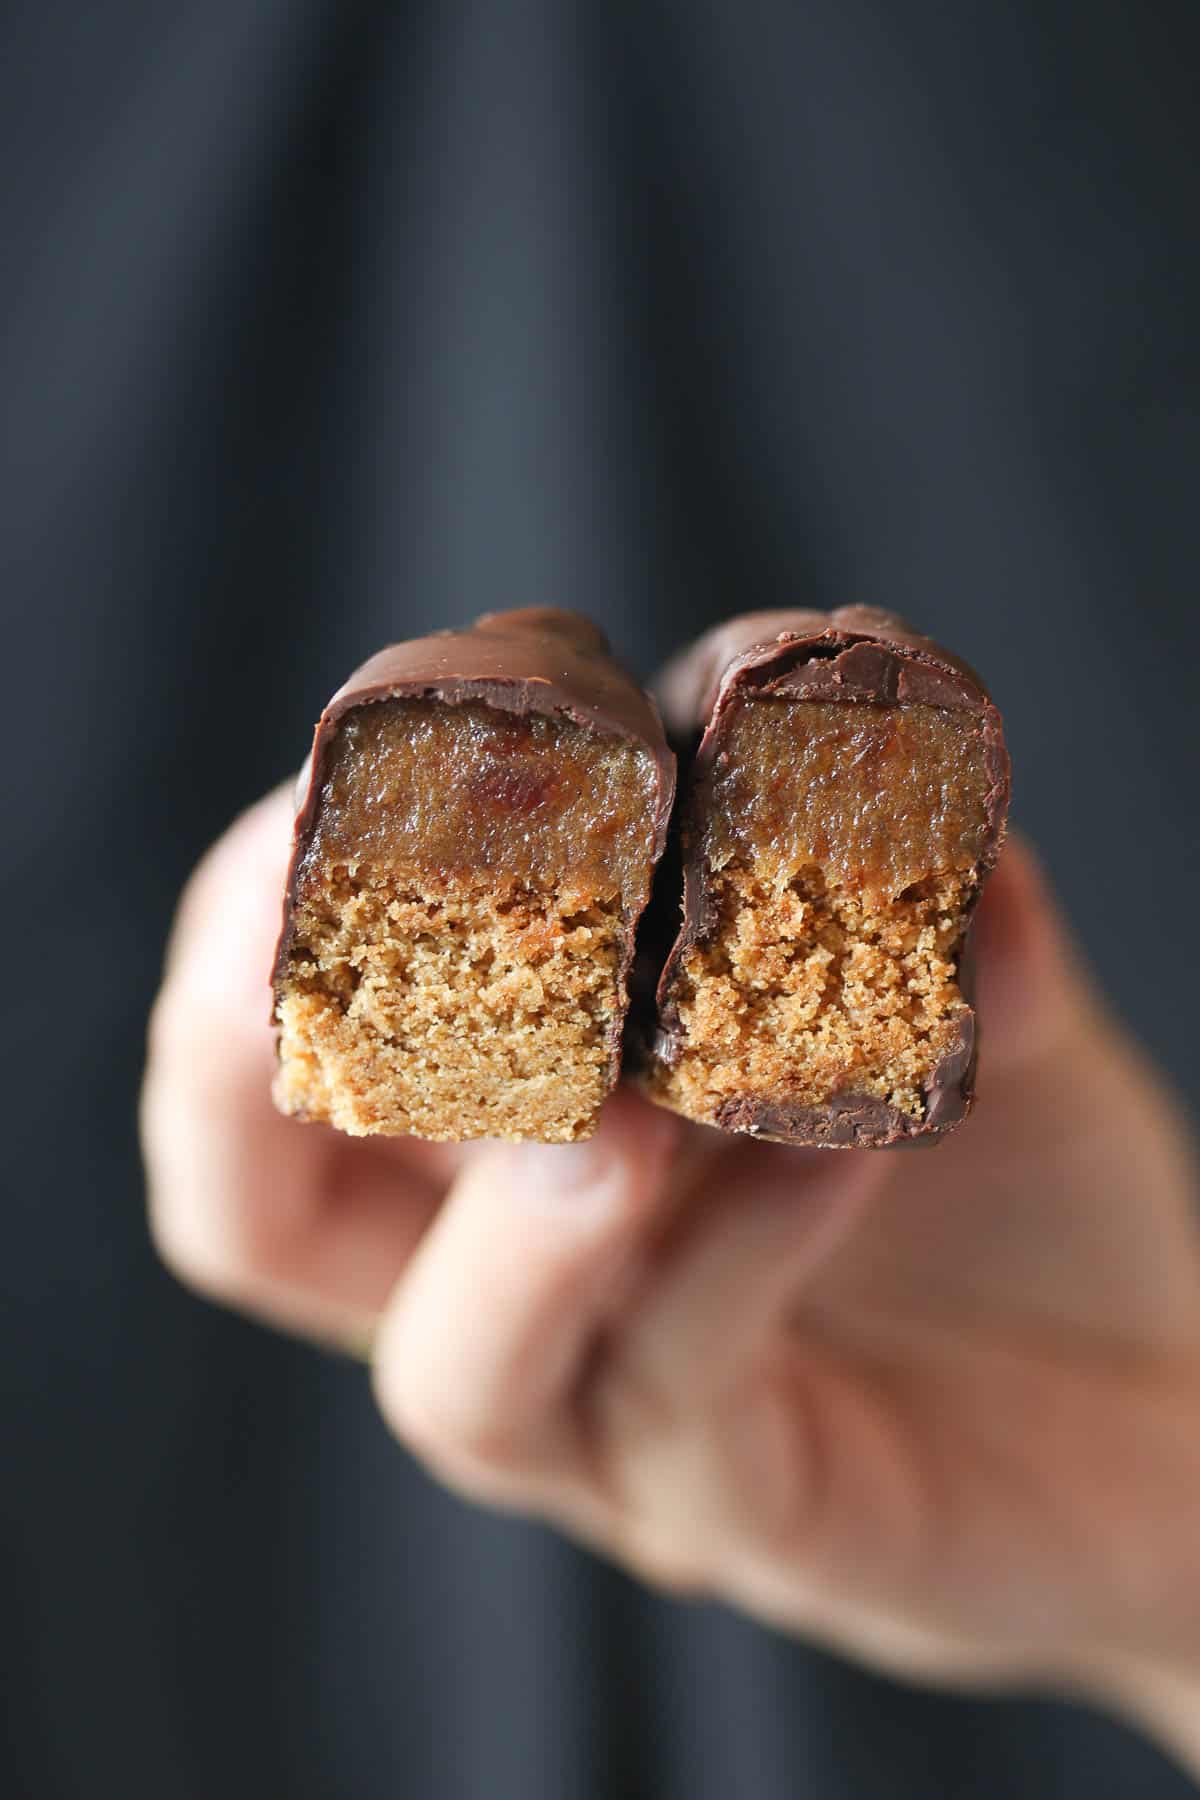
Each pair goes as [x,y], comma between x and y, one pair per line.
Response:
[419,785]
[877,797]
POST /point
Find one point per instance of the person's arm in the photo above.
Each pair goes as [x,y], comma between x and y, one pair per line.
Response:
[940,1410]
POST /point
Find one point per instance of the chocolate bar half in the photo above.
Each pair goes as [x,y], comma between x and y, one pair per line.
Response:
[845,803]
[476,838]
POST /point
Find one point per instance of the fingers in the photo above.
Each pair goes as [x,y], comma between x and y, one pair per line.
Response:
[484,1339]
[1034,991]
[579,1327]
[286,1220]
[772,1216]
[676,1411]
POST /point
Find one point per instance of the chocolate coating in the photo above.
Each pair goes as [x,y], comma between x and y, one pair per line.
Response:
[855,655]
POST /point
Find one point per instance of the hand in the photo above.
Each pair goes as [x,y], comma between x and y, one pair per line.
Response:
[939,1408]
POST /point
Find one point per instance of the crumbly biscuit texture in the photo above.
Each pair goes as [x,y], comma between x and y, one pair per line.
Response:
[449,1009]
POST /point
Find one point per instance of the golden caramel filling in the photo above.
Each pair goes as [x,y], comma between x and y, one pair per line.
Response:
[417,784]
[877,797]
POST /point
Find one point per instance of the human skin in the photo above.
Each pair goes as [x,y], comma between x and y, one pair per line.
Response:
[939,1409]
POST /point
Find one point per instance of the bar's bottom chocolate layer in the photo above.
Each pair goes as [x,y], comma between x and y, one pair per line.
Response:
[460,926]
[819,1000]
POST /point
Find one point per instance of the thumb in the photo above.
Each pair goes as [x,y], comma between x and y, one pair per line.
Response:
[484,1337]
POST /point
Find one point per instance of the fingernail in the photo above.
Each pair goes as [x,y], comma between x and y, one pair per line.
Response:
[587,1174]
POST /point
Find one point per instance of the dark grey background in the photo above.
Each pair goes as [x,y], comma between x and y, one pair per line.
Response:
[321,323]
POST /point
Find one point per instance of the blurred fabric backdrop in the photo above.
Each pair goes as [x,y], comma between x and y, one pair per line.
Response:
[322,323]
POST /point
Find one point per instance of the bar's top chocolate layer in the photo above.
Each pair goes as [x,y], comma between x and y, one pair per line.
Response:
[532,660]
[855,655]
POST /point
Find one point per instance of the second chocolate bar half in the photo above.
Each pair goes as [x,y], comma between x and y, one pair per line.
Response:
[846,801]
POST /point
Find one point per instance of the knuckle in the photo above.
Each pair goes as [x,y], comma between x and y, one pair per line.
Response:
[213,1252]
[189,1256]
[216,1228]
[670,1570]
[475,1455]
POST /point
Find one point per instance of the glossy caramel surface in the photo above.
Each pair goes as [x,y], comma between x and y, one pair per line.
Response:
[878,797]
[421,785]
